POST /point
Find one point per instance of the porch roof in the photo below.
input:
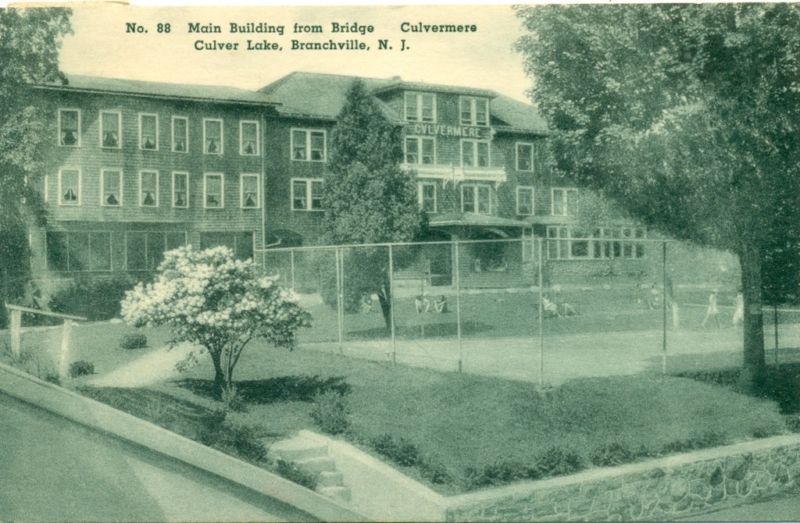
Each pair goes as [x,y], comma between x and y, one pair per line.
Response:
[471,219]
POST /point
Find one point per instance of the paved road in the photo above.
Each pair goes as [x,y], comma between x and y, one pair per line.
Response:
[783,509]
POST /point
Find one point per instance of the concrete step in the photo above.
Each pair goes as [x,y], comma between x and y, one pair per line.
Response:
[297,449]
[330,479]
[340,493]
[316,465]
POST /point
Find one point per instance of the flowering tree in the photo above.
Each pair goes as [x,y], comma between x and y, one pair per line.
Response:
[210,299]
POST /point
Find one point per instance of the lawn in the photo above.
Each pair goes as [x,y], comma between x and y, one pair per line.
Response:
[465,423]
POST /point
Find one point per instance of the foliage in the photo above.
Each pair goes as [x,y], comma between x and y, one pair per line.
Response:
[133,341]
[367,197]
[611,454]
[81,368]
[435,472]
[558,461]
[498,474]
[399,450]
[685,115]
[292,472]
[30,40]
[210,299]
[92,297]
[330,412]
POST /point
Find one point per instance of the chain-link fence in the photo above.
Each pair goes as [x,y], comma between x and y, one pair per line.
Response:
[538,309]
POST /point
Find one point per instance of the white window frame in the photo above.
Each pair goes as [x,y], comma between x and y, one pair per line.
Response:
[308,182]
[58,134]
[533,201]
[172,134]
[476,199]
[474,143]
[241,137]
[418,116]
[141,115]
[565,200]
[307,131]
[103,186]
[119,130]
[46,189]
[221,138]
[257,176]
[517,156]
[421,199]
[80,188]
[172,201]
[221,176]
[419,140]
[158,188]
[473,113]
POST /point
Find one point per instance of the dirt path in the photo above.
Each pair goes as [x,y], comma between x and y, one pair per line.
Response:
[153,367]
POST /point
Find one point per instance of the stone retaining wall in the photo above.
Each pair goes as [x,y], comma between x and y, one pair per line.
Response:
[662,489]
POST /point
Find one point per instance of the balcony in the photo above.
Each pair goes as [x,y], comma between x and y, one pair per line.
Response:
[458,173]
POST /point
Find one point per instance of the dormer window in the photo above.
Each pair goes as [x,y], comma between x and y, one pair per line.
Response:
[421,107]
[474,111]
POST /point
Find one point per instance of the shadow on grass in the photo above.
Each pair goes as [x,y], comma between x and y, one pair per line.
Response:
[151,405]
[271,390]
[427,330]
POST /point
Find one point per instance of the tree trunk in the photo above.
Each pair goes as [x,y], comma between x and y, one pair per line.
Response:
[219,375]
[385,299]
[754,360]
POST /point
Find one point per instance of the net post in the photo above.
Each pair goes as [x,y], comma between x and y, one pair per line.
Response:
[339,304]
[291,268]
[391,305]
[664,307]
[541,312]
[457,275]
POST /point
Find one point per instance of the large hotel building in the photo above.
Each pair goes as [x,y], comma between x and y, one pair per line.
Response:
[136,168]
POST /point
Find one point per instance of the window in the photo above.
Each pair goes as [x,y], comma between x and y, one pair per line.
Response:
[250,191]
[564,202]
[180,190]
[148,132]
[308,145]
[111,129]
[212,136]
[474,111]
[213,191]
[248,138]
[241,243]
[78,251]
[145,250]
[111,187]
[69,187]
[69,127]
[525,200]
[420,107]
[306,194]
[180,134]
[604,243]
[426,196]
[525,157]
[474,153]
[420,151]
[148,188]
[476,198]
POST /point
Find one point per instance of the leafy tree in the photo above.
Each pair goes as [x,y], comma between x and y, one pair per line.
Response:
[686,115]
[29,43]
[367,197]
[210,299]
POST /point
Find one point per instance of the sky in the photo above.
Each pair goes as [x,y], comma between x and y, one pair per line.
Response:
[101,46]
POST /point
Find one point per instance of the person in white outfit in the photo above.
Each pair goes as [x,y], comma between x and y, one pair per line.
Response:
[712,311]
[738,312]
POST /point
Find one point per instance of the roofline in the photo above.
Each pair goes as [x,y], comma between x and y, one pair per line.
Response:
[152,95]
[409,85]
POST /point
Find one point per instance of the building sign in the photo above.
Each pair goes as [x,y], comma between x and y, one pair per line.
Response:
[456,131]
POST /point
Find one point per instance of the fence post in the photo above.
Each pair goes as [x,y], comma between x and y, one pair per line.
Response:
[457,274]
[66,334]
[541,313]
[291,270]
[339,296]
[15,331]
[664,307]
[775,320]
[391,304]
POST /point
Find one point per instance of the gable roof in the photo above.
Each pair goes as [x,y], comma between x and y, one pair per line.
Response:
[206,93]
[321,96]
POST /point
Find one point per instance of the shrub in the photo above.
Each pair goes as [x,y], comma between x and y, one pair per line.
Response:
[133,341]
[233,400]
[94,298]
[612,454]
[556,461]
[330,412]
[290,471]
[81,368]
[435,472]
[699,441]
[499,474]
[238,440]
[793,423]
[400,450]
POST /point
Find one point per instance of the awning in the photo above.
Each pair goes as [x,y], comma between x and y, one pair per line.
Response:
[471,219]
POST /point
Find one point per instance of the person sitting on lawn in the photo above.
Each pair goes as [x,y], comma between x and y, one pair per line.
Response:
[440,304]
[366,303]
[550,308]
[422,304]
[567,309]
